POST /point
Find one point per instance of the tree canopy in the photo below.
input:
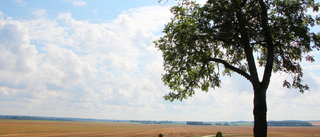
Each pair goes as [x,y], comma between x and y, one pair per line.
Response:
[199,38]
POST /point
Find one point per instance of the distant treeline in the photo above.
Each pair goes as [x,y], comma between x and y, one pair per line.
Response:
[222,124]
[35,118]
[151,122]
[16,117]
[290,123]
[197,123]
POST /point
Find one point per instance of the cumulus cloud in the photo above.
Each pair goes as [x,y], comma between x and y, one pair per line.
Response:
[44,31]
[81,65]
[76,2]
[20,3]
[63,68]
[27,75]
[290,103]
[39,13]
[17,57]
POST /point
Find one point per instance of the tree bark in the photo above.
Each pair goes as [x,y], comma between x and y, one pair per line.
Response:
[260,112]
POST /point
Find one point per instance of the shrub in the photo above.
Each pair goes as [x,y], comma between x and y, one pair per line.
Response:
[219,134]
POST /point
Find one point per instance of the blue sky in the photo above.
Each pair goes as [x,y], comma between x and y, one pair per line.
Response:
[96,59]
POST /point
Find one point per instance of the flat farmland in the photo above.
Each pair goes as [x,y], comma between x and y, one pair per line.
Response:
[31,128]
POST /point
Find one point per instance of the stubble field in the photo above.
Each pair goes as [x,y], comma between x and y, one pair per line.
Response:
[29,128]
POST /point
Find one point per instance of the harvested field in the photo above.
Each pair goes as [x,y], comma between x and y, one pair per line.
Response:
[29,128]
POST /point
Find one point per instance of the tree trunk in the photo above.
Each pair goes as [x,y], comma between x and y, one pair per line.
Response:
[260,112]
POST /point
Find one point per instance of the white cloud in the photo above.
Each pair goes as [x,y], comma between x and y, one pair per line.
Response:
[76,2]
[202,2]
[4,91]
[17,57]
[85,66]
[123,62]
[25,71]
[146,18]
[63,68]
[125,93]
[39,13]
[44,31]
[1,14]
[20,3]
[290,103]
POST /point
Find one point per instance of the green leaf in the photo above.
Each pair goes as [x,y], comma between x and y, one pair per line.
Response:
[230,37]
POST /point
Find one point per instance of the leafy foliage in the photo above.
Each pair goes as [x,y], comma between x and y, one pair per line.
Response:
[222,36]
[219,134]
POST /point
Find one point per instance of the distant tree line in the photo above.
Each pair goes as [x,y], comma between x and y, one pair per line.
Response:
[151,122]
[222,124]
[290,123]
[35,118]
[197,123]
[20,117]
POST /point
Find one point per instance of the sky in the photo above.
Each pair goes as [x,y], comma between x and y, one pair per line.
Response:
[96,59]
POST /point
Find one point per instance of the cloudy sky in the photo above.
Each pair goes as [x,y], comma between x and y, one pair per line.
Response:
[96,59]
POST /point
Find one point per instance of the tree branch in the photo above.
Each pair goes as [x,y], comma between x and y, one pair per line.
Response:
[269,41]
[245,42]
[229,66]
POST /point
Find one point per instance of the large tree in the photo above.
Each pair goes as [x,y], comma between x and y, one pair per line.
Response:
[204,42]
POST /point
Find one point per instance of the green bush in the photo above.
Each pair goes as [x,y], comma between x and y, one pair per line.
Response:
[219,134]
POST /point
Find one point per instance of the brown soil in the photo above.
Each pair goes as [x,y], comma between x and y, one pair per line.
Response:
[24,128]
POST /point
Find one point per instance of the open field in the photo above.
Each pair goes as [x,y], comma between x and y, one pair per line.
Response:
[28,128]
